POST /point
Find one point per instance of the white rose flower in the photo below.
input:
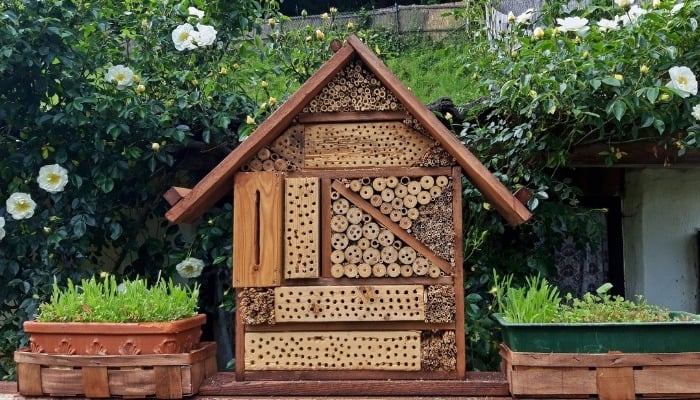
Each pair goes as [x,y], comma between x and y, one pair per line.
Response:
[631,16]
[190,267]
[2,228]
[683,79]
[677,7]
[20,205]
[624,3]
[194,11]
[206,36]
[122,76]
[184,37]
[608,25]
[525,17]
[696,112]
[52,178]
[573,24]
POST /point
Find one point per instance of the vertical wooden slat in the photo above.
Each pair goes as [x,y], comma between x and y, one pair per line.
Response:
[615,383]
[459,272]
[238,340]
[29,379]
[325,254]
[168,381]
[96,382]
[257,229]
[301,228]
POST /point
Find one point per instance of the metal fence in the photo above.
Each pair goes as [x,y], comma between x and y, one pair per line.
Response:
[435,20]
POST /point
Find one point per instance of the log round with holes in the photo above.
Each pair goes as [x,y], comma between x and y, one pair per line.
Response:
[407,255]
[351,270]
[255,165]
[337,270]
[426,182]
[268,165]
[353,254]
[366,192]
[379,184]
[386,237]
[420,266]
[410,201]
[435,192]
[363,243]
[371,256]
[339,223]
[364,270]
[337,256]
[354,232]
[406,270]
[376,200]
[339,241]
[400,191]
[385,208]
[387,195]
[413,187]
[395,215]
[442,181]
[281,164]
[371,230]
[389,255]
[393,270]
[434,271]
[264,153]
[405,223]
[341,206]
[379,270]
[392,181]
[423,197]
[354,215]
[397,203]
[355,185]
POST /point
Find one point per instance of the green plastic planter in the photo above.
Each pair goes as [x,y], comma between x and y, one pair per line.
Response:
[635,337]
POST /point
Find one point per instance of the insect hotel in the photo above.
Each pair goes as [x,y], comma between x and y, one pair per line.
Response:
[347,243]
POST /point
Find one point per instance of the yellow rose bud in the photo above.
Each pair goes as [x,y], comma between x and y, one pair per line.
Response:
[144,24]
[263,106]
[585,54]
[619,77]
[155,146]
[532,94]
[656,4]
[136,79]
[448,116]
[47,229]
[577,40]
[320,35]
[514,53]
[169,103]
[140,89]
[308,38]
[236,66]
[304,13]
[223,71]
[333,10]
[351,26]
[538,33]
[664,97]
[263,84]
[271,22]
[325,16]
[555,31]
[250,120]
[272,101]
[644,69]
[511,17]
[195,82]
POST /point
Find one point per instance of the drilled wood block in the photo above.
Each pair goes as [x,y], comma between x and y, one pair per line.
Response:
[301,228]
[380,144]
[290,145]
[257,229]
[359,350]
[349,303]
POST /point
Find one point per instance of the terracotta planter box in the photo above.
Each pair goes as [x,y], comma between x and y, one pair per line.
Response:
[163,376]
[94,338]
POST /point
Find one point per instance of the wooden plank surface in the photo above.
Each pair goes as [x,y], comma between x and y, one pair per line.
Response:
[668,380]
[615,383]
[95,382]
[534,381]
[459,272]
[349,303]
[352,116]
[28,376]
[257,229]
[168,382]
[301,228]
[333,351]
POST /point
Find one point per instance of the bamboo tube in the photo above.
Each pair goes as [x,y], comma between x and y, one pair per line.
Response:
[341,206]
[268,165]
[414,187]
[354,215]
[379,270]
[275,156]
[389,255]
[407,255]
[374,243]
[423,197]
[245,168]
[426,182]
[366,218]
[334,195]
[395,215]
[397,203]
[386,237]
[393,270]
[442,181]
[350,270]
[435,192]
[337,271]
[434,271]
[337,256]
[410,201]
[255,165]
[387,195]
[420,266]
[264,153]
[363,243]
[366,181]
[397,244]
[404,180]
[353,254]
[405,223]
[406,270]
[401,191]
[339,223]
[355,185]
[391,182]
[366,192]
[413,213]
[379,184]
[354,232]
[385,208]
[371,256]
[371,230]
[364,270]
[339,241]
[281,164]
[376,200]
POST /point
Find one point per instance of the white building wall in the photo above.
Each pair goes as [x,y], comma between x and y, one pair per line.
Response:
[661,213]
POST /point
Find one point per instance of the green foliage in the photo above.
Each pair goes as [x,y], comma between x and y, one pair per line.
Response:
[603,307]
[131,301]
[537,301]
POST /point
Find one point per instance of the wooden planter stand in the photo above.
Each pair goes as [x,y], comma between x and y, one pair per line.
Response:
[617,376]
[165,376]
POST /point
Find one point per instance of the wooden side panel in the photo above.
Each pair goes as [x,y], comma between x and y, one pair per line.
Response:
[358,350]
[168,381]
[29,379]
[615,383]
[95,382]
[349,303]
[257,229]
[357,145]
[668,379]
[552,381]
[302,228]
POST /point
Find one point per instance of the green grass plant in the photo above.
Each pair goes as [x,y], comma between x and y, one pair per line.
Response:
[104,300]
[535,302]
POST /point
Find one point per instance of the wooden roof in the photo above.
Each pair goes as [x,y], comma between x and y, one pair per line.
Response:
[189,205]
